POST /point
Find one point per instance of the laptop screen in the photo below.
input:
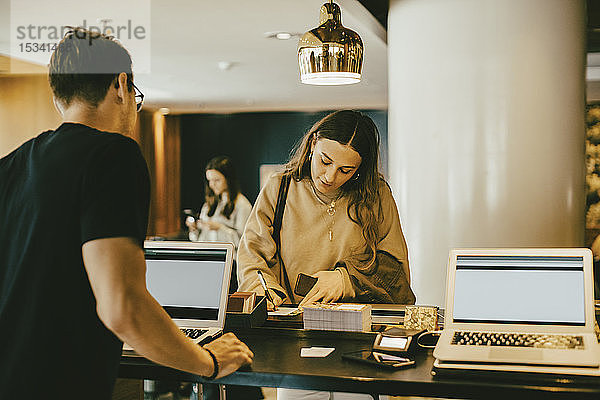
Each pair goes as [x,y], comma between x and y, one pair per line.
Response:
[187,282]
[544,290]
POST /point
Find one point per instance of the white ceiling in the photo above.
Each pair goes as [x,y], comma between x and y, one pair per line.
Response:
[189,38]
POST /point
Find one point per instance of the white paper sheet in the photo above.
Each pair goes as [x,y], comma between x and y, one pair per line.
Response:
[319,352]
[284,311]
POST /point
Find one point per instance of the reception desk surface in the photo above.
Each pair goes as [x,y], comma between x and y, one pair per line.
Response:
[277,363]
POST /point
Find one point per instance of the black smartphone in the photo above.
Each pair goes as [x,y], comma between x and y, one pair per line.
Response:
[304,283]
[379,359]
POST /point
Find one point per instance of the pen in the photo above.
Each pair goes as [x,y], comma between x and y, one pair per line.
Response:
[263,283]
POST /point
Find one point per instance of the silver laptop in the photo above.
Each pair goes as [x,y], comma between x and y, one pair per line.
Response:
[190,280]
[519,307]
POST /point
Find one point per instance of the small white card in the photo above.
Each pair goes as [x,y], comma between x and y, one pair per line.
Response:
[319,352]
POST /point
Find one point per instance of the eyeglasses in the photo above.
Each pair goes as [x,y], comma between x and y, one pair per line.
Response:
[139,98]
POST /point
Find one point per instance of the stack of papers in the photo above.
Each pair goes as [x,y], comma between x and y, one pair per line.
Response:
[338,317]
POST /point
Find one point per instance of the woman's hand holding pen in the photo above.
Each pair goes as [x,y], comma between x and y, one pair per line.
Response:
[329,288]
[273,300]
[276,299]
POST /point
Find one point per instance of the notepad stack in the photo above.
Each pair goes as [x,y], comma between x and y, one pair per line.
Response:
[338,317]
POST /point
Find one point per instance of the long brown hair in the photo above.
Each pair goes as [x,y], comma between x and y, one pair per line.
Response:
[225,166]
[358,131]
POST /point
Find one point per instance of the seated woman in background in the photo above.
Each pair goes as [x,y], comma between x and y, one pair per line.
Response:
[340,222]
[225,210]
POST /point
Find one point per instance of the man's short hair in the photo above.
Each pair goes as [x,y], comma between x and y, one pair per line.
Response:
[84,64]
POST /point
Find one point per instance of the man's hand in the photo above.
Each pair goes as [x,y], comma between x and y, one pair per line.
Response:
[230,353]
[329,288]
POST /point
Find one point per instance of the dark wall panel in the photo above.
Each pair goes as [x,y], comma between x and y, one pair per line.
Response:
[250,139]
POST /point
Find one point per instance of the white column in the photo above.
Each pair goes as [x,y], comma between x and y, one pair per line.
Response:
[486,127]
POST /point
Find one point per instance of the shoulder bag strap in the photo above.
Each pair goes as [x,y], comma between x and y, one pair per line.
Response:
[277,219]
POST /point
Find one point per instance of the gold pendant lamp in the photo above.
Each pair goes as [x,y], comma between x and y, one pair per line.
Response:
[330,54]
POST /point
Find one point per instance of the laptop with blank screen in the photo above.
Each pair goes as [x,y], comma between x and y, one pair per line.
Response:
[532,307]
[190,280]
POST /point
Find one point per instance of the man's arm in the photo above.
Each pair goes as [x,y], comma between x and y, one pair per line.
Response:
[117,272]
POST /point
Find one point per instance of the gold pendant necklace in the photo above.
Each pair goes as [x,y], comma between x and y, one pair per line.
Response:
[330,211]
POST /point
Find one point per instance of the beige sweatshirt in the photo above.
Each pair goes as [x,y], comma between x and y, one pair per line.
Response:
[305,244]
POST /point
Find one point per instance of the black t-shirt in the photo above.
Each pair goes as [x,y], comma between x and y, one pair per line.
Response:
[58,191]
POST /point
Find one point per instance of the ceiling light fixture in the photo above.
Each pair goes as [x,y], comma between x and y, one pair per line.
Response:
[225,65]
[330,54]
[283,36]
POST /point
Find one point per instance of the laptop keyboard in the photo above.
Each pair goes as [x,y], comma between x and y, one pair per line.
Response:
[518,340]
[193,333]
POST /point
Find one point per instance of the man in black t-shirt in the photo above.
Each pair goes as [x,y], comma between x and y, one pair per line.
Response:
[73,217]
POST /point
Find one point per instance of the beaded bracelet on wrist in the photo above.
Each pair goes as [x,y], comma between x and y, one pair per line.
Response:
[215,363]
